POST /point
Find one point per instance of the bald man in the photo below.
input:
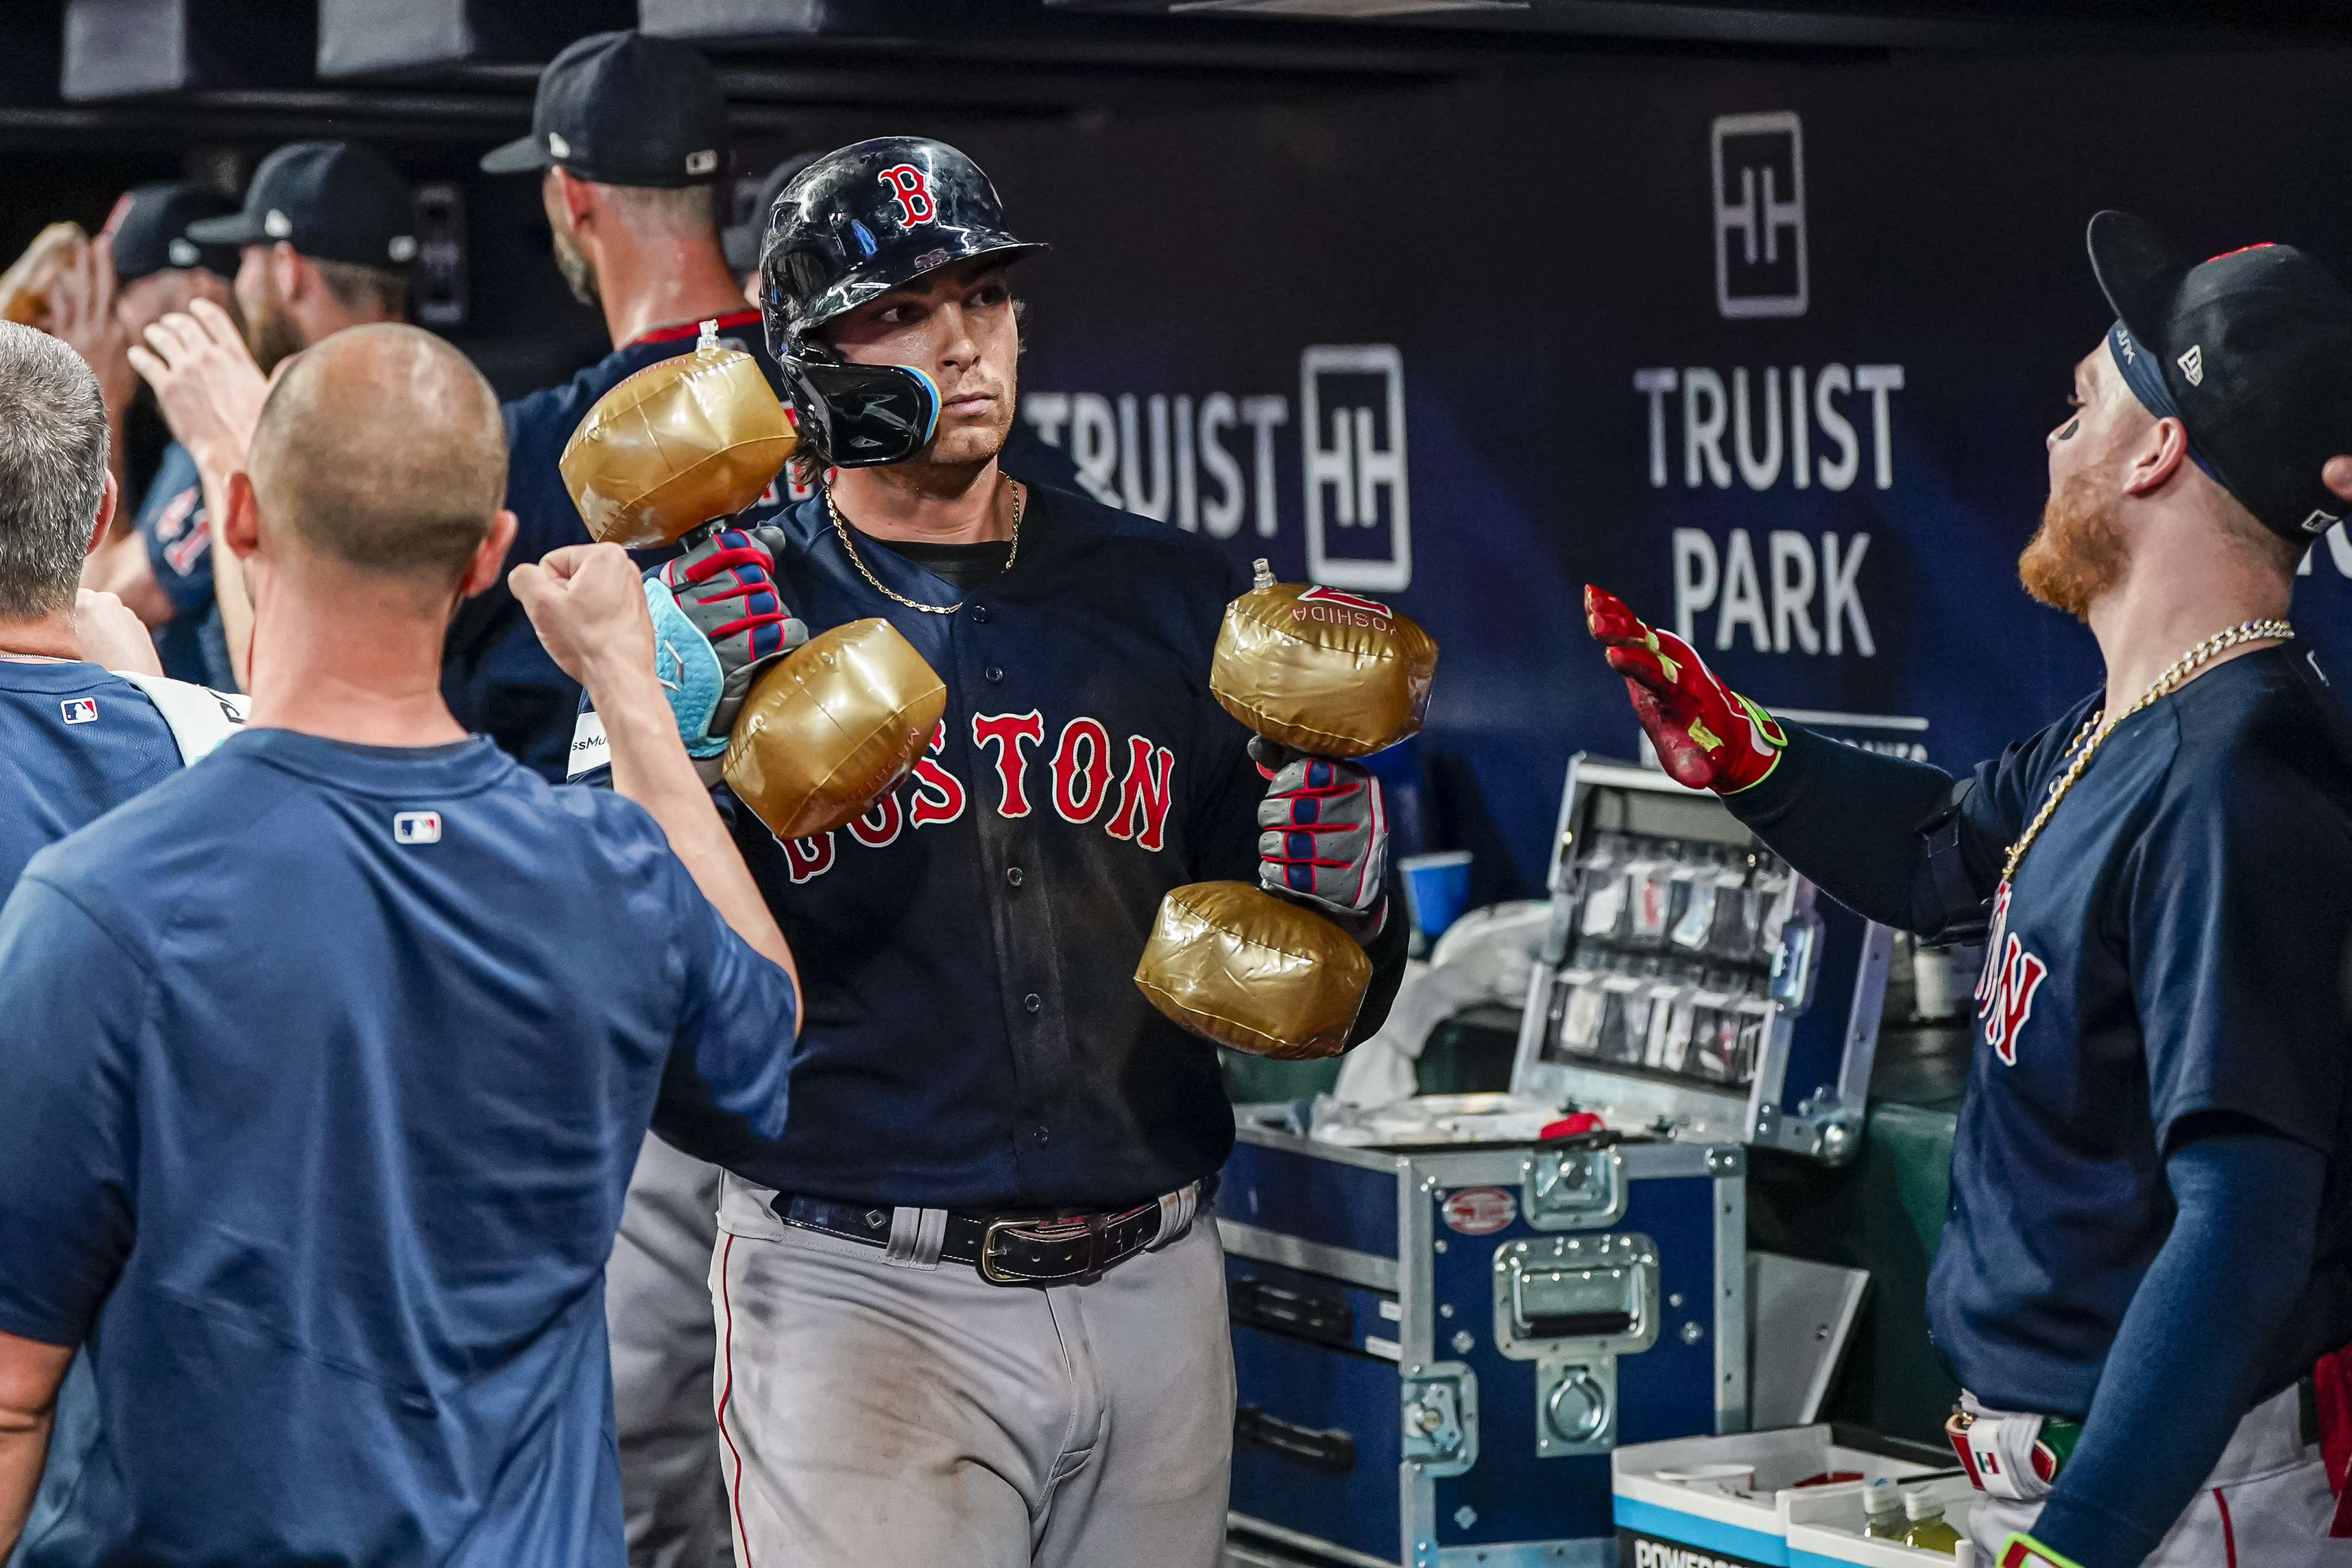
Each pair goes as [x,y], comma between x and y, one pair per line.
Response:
[327,1060]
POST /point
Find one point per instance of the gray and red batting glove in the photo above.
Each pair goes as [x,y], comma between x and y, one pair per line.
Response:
[1707,735]
[1325,842]
[719,621]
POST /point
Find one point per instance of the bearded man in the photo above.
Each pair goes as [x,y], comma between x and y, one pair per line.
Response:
[2144,1284]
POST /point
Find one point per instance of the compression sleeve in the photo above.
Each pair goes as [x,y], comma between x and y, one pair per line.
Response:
[2183,1368]
[1858,823]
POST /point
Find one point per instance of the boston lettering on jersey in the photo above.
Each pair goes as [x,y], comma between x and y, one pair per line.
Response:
[1080,775]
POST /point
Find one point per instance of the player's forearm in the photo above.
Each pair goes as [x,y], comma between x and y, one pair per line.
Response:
[24,1449]
[2182,1370]
[1851,820]
[650,766]
[30,1373]
[229,590]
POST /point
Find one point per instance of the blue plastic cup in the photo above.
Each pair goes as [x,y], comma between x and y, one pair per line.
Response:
[1437,890]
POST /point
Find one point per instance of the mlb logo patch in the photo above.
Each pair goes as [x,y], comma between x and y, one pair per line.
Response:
[80,710]
[417,827]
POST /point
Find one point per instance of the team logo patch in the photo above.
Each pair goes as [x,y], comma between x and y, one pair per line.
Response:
[911,187]
[2005,990]
[1479,1211]
[417,827]
[78,709]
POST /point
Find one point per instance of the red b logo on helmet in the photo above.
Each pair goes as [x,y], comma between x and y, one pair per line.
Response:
[911,189]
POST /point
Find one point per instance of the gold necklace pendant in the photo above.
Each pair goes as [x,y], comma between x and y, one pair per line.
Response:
[841,528]
[2095,730]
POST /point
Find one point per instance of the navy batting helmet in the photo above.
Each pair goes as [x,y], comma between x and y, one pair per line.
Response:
[850,227]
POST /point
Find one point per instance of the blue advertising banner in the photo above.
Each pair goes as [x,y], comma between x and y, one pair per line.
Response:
[1770,351]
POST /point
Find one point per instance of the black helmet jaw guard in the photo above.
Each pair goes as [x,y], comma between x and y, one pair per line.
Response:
[861,416]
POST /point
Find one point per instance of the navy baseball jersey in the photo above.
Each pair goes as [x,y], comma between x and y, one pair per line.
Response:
[74,742]
[173,526]
[2171,949]
[974,1039]
[327,1068]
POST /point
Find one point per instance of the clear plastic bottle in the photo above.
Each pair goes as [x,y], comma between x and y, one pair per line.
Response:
[1882,1510]
[1928,1530]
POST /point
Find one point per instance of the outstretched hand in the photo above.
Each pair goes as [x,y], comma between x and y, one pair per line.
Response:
[1707,736]
[205,382]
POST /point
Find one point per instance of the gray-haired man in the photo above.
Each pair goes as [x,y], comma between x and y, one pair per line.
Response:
[78,739]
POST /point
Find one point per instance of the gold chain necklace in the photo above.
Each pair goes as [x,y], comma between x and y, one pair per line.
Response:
[2095,730]
[842,528]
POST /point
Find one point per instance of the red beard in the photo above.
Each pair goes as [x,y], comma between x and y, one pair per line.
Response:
[2078,552]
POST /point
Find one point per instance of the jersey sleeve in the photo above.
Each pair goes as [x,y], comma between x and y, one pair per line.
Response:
[67,1119]
[173,527]
[2236,928]
[724,1090]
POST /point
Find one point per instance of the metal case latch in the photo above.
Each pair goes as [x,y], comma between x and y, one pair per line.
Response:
[1573,1305]
[1441,1417]
[1575,1189]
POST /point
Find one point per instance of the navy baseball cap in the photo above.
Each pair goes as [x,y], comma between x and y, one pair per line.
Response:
[2250,351]
[743,240]
[150,225]
[623,109]
[333,201]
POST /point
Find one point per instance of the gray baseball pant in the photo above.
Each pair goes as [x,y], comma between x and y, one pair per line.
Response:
[875,1412]
[2266,1504]
[657,1314]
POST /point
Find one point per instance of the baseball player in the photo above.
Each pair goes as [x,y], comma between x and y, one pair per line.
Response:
[139,269]
[964,1313]
[79,739]
[2146,1271]
[327,1060]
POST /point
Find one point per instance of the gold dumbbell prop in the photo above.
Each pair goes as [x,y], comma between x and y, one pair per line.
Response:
[667,456]
[1335,676]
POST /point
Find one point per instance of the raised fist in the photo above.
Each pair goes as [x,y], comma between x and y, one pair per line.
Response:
[1707,735]
[718,622]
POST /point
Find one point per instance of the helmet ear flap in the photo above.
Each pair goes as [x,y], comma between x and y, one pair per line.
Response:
[862,416]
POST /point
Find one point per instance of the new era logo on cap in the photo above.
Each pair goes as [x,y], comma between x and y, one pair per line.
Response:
[277,225]
[183,254]
[417,827]
[558,145]
[2192,365]
[702,163]
[78,709]
[2320,522]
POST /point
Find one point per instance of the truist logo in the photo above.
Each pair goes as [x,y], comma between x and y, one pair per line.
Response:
[2005,990]
[911,189]
[1332,607]
[1760,216]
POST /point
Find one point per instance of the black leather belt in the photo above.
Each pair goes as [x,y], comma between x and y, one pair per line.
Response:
[1018,1247]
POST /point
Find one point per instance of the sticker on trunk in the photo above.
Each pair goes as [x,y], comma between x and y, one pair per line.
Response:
[1480,1211]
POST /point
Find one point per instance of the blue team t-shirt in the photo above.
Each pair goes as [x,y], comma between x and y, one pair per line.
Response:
[74,742]
[173,524]
[326,1068]
[2172,952]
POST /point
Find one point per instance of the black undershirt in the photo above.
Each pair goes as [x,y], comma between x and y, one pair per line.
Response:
[964,565]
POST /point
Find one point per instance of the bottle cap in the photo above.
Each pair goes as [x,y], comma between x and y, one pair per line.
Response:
[1882,1498]
[1922,1504]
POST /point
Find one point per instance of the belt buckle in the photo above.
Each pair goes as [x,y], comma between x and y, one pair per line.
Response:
[988,1247]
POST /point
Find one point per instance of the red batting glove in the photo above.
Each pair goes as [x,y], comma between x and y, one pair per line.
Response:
[1707,735]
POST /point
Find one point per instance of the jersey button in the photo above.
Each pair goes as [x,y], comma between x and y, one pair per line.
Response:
[1033,1001]
[980,614]
[1013,875]
[1039,1136]
[994,672]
